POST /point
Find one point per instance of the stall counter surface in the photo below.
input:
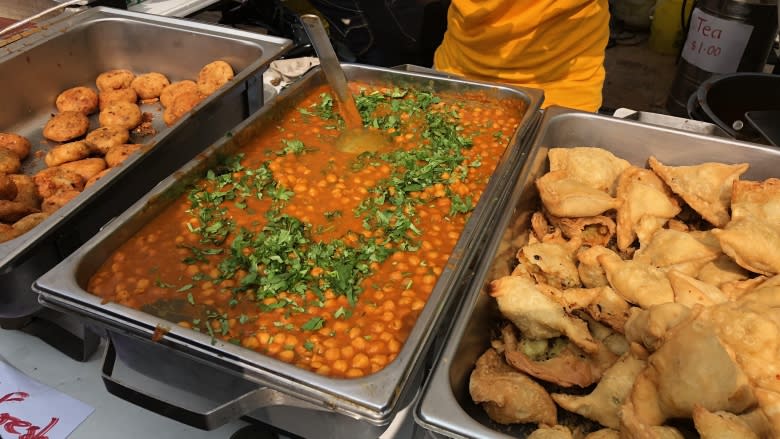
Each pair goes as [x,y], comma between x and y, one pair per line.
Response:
[114,417]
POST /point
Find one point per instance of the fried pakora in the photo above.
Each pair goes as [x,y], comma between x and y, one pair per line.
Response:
[109,97]
[509,396]
[79,99]
[67,152]
[114,79]
[86,168]
[122,115]
[182,104]
[170,92]
[116,155]
[58,200]
[52,180]
[213,76]
[103,138]
[15,143]
[66,126]
[149,85]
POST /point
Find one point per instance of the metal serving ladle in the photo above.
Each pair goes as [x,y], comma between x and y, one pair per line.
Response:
[355,138]
[32,18]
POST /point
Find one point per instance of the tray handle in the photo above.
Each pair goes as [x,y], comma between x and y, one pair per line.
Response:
[205,420]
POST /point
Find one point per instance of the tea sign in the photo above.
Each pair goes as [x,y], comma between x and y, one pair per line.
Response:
[715,44]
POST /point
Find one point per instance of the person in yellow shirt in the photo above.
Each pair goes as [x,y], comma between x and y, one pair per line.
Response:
[555,45]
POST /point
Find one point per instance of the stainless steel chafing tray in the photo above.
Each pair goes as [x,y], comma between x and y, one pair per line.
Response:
[73,50]
[372,400]
[446,408]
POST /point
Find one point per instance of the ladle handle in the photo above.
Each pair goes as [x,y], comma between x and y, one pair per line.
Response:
[329,63]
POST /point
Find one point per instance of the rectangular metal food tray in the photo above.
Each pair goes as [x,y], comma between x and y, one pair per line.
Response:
[373,399]
[446,408]
[73,51]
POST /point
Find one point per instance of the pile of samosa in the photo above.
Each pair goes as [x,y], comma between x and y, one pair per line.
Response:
[657,287]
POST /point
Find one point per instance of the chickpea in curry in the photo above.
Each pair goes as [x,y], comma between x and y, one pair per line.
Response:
[314,256]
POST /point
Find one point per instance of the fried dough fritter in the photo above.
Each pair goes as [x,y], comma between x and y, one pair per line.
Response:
[121,114]
[66,126]
[11,211]
[52,180]
[108,97]
[86,168]
[26,190]
[94,179]
[9,162]
[114,79]
[8,233]
[182,104]
[19,145]
[59,199]
[81,99]
[213,76]
[103,138]
[8,188]
[173,90]
[118,154]
[28,222]
[150,85]
[67,152]
[507,395]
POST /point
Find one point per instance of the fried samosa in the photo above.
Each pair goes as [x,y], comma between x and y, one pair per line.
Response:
[637,282]
[568,198]
[691,292]
[556,361]
[604,433]
[595,167]
[591,272]
[536,314]
[553,432]
[646,204]
[603,404]
[595,230]
[550,263]
[601,303]
[720,425]
[752,243]
[509,396]
[759,199]
[673,250]
[705,187]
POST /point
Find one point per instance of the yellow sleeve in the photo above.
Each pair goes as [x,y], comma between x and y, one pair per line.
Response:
[555,45]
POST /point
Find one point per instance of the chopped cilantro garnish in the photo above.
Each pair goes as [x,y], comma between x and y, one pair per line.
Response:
[162,284]
[313,324]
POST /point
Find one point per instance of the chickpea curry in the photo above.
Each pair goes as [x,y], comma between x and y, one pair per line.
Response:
[314,256]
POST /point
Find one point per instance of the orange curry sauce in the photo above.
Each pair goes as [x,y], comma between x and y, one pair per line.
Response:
[317,257]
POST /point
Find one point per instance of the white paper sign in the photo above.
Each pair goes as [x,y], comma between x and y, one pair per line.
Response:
[715,44]
[31,410]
